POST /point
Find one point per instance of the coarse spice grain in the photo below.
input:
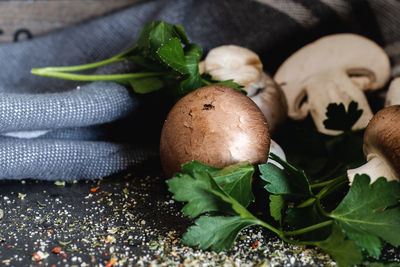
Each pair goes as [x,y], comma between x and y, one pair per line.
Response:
[126,221]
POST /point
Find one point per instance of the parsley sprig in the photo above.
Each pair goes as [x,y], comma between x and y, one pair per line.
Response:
[350,223]
[165,59]
[366,217]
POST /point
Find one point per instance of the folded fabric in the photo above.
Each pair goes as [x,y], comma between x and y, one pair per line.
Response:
[63,130]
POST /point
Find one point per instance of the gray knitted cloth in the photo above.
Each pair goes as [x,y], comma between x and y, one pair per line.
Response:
[56,130]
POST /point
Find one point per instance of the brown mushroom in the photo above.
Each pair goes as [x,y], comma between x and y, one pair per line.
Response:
[334,69]
[216,125]
[381,146]
[232,62]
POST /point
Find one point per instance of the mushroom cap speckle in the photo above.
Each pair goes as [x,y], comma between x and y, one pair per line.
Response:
[216,125]
[382,137]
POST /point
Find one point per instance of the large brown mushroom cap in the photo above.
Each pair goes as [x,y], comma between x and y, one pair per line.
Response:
[382,137]
[216,125]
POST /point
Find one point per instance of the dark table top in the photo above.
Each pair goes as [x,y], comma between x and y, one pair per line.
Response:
[128,219]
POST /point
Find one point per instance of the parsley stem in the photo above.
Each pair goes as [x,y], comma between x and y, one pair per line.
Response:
[328,187]
[322,184]
[332,186]
[119,57]
[295,242]
[79,67]
[90,78]
[309,228]
[321,209]
[206,82]
[269,227]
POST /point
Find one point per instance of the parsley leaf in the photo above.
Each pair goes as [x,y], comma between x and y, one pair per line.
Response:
[276,206]
[370,212]
[340,119]
[172,55]
[203,194]
[286,181]
[344,252]
[164,55]
[200,191]
[146,85]
[218,232]
[207,79]
[234,180]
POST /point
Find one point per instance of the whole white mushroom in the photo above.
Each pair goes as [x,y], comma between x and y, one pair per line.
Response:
[232,62]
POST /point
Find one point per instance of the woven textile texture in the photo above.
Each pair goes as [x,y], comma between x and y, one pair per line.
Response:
[62,130]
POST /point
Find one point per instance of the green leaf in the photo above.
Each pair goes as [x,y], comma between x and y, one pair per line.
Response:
[207,80]
[203,194]
[232,84]
[276,206]
[200,191]
[193,166]
[143,43]
[193,54]
[369,212]
[156,34]
[160,35]
[218,233]
[173,56]
[340,119]
[344,252]
[286,181]
[235,180]
[181,32]
[146,85]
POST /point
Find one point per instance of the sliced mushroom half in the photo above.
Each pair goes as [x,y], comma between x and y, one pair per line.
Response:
[334,69]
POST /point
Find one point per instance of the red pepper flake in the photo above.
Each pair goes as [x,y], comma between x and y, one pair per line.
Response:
[9,246]
[255,244]
[53,265]
[36,257]
[50,231]
[105,254]
[64,255]
[94,189]
[111,262]
[56,250]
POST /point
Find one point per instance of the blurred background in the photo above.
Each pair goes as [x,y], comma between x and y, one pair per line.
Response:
[23,19]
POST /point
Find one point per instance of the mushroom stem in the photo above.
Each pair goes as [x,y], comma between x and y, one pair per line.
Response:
[334,87]
[277,150]
[393,94]
[375,167]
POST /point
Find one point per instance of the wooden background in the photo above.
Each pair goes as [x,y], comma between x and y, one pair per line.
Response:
[21,19]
